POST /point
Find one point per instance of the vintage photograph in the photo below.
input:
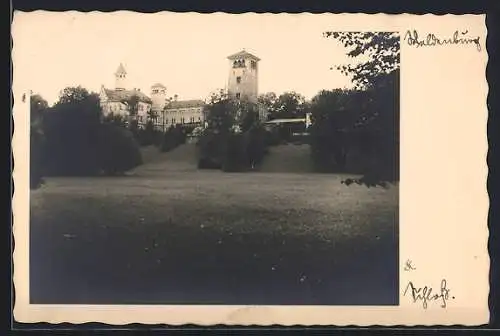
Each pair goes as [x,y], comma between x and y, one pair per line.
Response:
[190,160]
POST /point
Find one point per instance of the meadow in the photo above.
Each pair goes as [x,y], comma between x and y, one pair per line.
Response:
[170,234]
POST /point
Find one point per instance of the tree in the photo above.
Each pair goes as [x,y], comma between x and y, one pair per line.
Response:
[269,100]
[38,106]
[225,142]
[115,119]
[380,49]
[378,77]
[132,103]
[73,94]
[70,128]
[118,150]
[290,105]
[287,105]
[152,116]
[220,112]
[84,103]
[332,114]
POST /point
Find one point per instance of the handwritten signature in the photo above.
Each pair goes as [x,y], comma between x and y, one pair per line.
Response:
[430,40]
[426,294]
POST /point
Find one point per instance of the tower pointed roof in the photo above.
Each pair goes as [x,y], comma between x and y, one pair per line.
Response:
[243,54]
[121,70]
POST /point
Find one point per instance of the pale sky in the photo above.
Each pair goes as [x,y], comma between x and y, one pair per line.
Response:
[185,52]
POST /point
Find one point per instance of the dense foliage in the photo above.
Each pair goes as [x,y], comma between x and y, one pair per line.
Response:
[172,138]
[285,106]
[38,106]
[358,130]
[234,140]
[148,135]
[78,141]
[119,151]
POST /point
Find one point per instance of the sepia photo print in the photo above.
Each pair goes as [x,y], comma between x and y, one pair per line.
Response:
[201,162]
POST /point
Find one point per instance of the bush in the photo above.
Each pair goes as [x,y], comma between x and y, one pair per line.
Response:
[149,136]
[118,150]
[71,142]
[210,150]
[158,138]
[231,152]
[235,154]
[272,137]
[172,138]
[256,145]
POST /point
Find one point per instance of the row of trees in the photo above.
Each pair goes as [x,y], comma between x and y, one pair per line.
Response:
[72,138]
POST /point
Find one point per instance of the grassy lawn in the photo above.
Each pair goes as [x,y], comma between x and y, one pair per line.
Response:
[210,237]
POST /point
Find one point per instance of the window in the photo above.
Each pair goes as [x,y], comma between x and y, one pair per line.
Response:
[238,79]
[253,64]
[238,95]
[173,120]
[239,63]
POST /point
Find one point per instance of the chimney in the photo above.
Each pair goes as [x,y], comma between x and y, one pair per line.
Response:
[175,97]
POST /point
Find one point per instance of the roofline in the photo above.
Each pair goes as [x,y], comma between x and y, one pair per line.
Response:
[249,55]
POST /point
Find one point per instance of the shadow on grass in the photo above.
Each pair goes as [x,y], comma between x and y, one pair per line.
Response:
[106,253]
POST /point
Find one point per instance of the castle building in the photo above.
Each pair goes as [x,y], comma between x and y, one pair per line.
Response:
[115,101]
[242,85]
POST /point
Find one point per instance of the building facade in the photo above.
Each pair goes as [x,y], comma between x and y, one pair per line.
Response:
[116,101]
[166,112]
[183,112]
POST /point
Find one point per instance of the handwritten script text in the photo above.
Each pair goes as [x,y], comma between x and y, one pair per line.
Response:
[430,40]
[427,294]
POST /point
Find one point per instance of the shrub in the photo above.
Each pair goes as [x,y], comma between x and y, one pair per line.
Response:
[171,139]
[235,154]
[158,138]
[255,145]
[118,150]
[210,150]
[272,137]
[148,136]
[71,143]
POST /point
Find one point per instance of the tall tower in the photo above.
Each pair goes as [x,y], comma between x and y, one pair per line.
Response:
[243,76]
[158,96]
[121,78]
